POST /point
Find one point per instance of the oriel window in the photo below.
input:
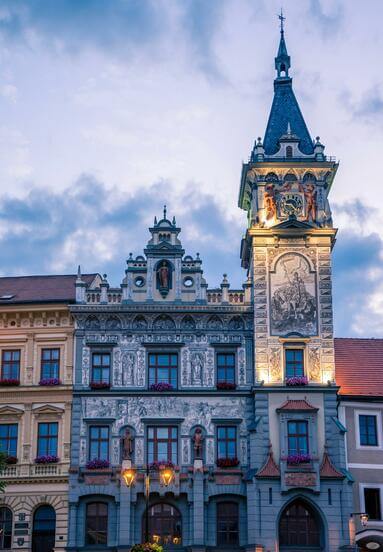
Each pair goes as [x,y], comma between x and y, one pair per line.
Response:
[50,363]
[47,436]
[162,444]
[10,364]
[294,365]
[298,439]
[226,442]
[163,368]
[101,368]
[225,368]
[99,442]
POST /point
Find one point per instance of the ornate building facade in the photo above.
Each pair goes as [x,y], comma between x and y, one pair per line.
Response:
[235,390]
[36,354]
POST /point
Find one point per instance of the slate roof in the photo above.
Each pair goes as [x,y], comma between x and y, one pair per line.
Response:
[284,110]
[40,289]
[359,366]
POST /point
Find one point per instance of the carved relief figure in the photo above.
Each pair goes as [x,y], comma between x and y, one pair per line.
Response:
[188,323]
[163,322]
[311,202]
[293,297]
[198,443]
[270,202]
[113,323]
[127,445]
[236,323]
[128,368]
[214,323]
[314,365]
[197,363]
[275,365]
[140,323]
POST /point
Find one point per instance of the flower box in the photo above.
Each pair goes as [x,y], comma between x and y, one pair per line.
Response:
[227,462]
[97,464]
[226,386]
[297,381]
[11,460]
[47,459]
[298,459]
[157,466]
[9,382]
[147,547]
[99,385]
[162,386]
[50,381]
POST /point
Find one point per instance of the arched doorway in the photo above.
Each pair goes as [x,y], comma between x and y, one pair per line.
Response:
[165,525]
[300,528]
[44,529]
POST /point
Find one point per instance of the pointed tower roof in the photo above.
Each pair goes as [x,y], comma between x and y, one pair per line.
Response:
[285,115]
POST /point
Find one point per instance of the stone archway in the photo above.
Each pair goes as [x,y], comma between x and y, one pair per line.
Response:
[300,527]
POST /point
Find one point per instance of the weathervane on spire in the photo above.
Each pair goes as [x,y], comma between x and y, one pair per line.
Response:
[281,19]
[164,211]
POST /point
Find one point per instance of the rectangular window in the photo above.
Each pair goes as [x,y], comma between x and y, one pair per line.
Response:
[298,439]
[99,442]
[372,503]
[96,530]
[368,430]
[47,436]
[225,367]
[50,363]
[162,444]
[226,442]
[10,364]
[294,363]
[163,368]
[101,368]
[8,439]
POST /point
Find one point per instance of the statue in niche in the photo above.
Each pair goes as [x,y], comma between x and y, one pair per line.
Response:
[128,365]
[197,362]
[127,445]
[163,277]
[270,202]
[311,202]
[198,443]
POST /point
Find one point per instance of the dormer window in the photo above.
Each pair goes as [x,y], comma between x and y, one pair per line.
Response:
[289,151]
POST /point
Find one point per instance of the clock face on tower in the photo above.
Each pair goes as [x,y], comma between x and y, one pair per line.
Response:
[291,204]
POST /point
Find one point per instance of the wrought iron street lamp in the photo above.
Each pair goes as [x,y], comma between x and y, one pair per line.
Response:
[166,474]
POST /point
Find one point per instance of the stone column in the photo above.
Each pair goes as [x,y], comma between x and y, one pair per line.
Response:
[198,508]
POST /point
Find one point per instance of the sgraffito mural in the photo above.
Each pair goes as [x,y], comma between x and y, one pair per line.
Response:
[293,297]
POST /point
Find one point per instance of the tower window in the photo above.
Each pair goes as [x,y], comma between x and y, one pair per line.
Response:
[289,151]
[372,503]
[294,363]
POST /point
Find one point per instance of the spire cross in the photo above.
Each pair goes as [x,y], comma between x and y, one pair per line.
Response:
[281,19]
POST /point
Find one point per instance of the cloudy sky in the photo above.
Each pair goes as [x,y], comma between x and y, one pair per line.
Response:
[109,109]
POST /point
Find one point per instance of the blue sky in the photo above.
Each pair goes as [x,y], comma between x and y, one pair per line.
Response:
[108,110]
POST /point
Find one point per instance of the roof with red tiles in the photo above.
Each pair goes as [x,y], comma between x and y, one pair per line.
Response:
[359,366]
[297,405]
[40,289]
[269,470]
[327,469]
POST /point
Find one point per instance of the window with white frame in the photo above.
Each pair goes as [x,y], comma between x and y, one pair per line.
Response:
[368,429]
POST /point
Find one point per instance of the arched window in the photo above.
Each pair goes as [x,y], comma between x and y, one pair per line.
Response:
[289,151]
[44,529]
[227,524]
[5,528]
[96,524]
[165,525]
[299,527]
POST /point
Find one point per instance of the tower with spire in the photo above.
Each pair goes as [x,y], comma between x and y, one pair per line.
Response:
[287,253]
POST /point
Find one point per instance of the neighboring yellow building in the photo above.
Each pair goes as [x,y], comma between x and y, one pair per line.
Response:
[36,356]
